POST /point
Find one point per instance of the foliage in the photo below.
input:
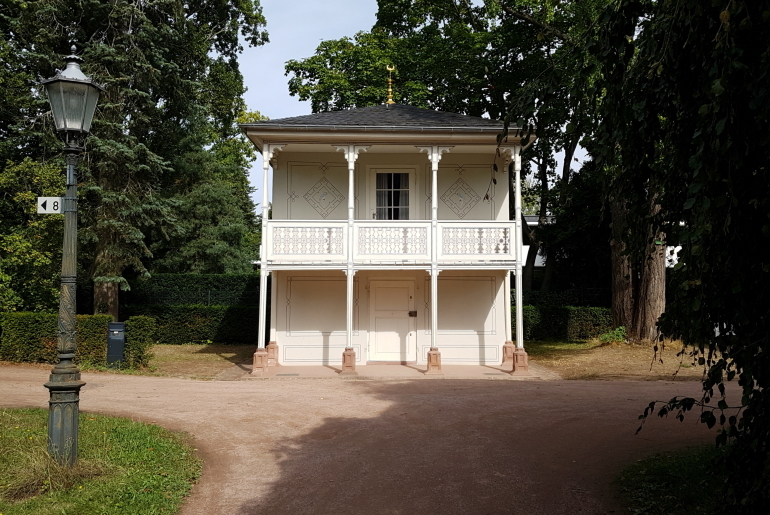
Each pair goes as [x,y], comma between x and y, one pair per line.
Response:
[209,289]
[617,335]
[686,115]
[32,337]
[211,235]
[521,61]
[30,244]
[564,322]
[179,325]
[124,467]
[166,122]
[140,337]
[577,241]
[646,486]
[595,297]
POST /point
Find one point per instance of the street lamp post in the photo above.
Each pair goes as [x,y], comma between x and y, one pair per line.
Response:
[73,98]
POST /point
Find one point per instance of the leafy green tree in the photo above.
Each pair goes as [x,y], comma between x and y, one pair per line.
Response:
[213,233]
[523,61]
[686,121]
[173,92]
[30,244]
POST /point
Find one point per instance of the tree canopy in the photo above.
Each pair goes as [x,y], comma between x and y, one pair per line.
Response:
[166,124]
[686,116]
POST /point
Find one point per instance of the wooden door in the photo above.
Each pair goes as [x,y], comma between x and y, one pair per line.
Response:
[392,321]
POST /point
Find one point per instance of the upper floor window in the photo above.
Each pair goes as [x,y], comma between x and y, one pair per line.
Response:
[392,196]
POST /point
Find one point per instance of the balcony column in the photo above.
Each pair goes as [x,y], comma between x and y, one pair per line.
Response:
[520,361]
[506,153]
[260,356]
[434,355]
[349,355]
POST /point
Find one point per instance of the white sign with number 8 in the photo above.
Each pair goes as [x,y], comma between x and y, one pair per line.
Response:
[50,205]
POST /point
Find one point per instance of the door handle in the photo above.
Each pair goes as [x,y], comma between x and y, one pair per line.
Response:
[413,313]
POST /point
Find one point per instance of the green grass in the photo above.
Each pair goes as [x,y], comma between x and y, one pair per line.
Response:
[675,483]
[556,349]
[124,467]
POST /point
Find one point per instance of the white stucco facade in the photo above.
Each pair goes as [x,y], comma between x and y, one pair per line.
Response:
[365,216]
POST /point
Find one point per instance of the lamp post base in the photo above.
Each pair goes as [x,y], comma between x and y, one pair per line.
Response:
[63,411]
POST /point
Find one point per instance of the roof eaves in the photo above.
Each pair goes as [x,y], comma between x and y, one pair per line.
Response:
[369,128]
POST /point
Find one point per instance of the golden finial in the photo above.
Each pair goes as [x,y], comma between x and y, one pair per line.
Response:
[390,69]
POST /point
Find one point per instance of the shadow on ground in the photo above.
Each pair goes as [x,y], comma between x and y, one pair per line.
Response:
[465,447]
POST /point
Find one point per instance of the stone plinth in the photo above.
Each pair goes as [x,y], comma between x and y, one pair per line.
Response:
[349,362]
[260,362]
[434,363]
[272,354]
[508,349]
[520,363]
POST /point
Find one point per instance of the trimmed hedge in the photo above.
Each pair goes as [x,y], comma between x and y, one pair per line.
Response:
[565,322]
[141,332]
[194,289]
[574,297]
[202,324]
[31,337]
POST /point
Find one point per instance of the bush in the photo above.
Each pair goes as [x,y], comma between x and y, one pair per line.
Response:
[572,297]
[568,322]
[617,335]
[202,324]
[31,337]
[141,332]
[194,289]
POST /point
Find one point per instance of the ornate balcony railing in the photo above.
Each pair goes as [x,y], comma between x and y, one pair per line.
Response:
[321,241]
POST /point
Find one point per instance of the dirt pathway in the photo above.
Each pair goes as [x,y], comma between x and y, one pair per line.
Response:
[393,447]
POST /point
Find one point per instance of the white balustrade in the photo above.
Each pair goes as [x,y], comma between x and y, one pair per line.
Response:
[314,241]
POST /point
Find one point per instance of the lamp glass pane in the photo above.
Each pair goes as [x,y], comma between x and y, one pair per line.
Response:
[57,105]
[74,94]
[92,96]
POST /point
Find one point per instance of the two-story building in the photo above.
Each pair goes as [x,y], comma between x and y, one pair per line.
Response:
[389,239]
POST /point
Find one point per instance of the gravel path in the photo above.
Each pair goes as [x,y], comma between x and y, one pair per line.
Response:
[321,446]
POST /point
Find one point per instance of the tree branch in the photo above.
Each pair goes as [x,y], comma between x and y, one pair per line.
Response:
[529,19]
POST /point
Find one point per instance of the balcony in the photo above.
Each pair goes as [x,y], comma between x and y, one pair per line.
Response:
[313,244]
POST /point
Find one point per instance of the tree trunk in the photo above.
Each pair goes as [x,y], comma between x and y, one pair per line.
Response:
[651,296]
[622,273]
[106,299]
[105,292]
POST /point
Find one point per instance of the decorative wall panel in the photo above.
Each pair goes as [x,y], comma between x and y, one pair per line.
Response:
[460,198]
[392,240]
[324,197]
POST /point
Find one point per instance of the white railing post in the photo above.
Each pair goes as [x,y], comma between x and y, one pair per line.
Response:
[434,356]
[260,356]
[351,155]
[269,150]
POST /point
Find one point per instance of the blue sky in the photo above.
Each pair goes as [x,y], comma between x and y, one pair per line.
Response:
[296,27]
